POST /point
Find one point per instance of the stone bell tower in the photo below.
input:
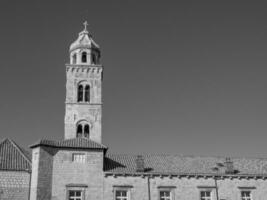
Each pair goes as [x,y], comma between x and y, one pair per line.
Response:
[83,112]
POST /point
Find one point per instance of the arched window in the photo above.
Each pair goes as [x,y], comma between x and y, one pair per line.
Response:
[93,59]
[87,93]
[79,130]
[80,93]
[83,129]
[74,59]
[84,57]
[83,92]
[86,131]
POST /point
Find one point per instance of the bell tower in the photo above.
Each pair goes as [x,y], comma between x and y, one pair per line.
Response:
[83,111]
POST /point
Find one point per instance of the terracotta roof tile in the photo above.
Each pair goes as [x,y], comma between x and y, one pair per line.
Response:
[13,157]
[177,164]
[83,143]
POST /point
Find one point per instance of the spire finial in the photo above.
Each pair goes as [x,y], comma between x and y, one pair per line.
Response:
[85,25]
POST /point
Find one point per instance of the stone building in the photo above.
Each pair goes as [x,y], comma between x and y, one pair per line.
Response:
[15,168]
[80,167]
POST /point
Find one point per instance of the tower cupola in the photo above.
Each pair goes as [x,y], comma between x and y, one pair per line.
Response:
[84,50]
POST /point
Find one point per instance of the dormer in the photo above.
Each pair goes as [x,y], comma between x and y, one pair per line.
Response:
[84,50]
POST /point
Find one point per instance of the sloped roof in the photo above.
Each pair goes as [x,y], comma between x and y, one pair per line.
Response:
[14,157]
[177,164]
[84,40]
[82,143]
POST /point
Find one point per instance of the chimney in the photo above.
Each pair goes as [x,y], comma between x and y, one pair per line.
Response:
[140,164]
[229,166]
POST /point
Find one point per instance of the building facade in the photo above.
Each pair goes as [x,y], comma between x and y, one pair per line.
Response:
[15,171]
[80,167]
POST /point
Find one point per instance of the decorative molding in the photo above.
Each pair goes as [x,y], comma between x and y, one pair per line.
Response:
[122,186]
[206,187]
[246,187]
[85,69]
[76,185]
[166,187]
[205,176]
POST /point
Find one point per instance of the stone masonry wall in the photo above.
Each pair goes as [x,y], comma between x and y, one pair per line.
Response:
[88,111]
[14,185]
[184,188]
[87,176]
[42,165]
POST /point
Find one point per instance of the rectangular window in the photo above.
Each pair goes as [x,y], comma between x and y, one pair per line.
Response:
[78,157]
[246,195]
[205,195]
[121,195]
[75,195]
[165,195]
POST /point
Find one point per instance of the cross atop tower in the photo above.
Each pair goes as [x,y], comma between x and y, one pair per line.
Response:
[85,25]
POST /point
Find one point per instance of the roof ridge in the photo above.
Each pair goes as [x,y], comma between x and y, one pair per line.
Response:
[71,142]
[3,140]
[83,138]
[19,149]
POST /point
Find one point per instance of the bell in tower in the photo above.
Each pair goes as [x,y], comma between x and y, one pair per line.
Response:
[83,112]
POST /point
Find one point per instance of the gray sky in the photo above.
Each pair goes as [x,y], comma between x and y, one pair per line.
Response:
[180,77]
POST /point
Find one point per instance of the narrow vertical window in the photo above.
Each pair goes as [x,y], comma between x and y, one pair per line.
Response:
[84,57]
[80,93]
[74,59]
[93,59]
[86,130]
[79,130]
[87,93]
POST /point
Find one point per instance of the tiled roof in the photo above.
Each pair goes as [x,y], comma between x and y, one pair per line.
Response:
[82,143]
[13,157]
[177,164]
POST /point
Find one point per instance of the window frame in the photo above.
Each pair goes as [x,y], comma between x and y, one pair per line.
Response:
[79,131]
[246,198]
[127,189]
[169,189]
[84,57]
[84,127]
[79,155]
[86,130]
[75,197]
[74,58]
[80,93]
[83,89]
[246,189]
[122,197]
[76,187]
[165,197]
[93,58]
[86,92]
[206,190]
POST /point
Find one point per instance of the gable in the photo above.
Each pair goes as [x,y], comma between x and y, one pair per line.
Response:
[13,157]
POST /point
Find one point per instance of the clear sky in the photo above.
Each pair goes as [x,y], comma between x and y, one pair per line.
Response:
[180,77]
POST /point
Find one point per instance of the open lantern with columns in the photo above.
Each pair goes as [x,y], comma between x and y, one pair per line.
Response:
[84,50]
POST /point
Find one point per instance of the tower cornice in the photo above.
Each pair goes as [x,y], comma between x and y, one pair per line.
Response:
[84,69]
[84,65]
[86,104]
